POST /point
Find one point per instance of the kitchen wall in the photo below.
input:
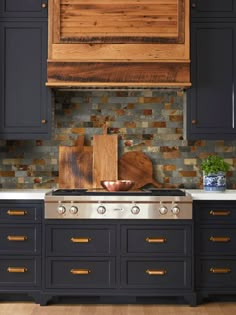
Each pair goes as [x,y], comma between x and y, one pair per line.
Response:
[147,120]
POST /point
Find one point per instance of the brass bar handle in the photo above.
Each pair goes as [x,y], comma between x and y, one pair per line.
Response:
[80,239]
[156,240]
[220,270]
[80,271]
[220,212]
[17,269]
[160,272]
[16,212]
[220,239]
[17,238]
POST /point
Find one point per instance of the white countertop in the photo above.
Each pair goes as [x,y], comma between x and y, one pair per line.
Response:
[198,194]
[26,194]
[38,194]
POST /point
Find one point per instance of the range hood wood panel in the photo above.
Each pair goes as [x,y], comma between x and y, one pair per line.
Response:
[118,42]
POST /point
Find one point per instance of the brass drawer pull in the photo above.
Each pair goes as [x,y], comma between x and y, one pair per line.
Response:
[220,212]
[156,240]
[17,238]
[80,271]
[17,269]
[16,212]
[80,239]
[160,272]
[44,5]
[220,239]
[220,270]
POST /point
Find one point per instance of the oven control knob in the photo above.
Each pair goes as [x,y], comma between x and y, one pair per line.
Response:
[163,210]
[175,210]
[73,210]
[101,209]
[135,210]
[61,209]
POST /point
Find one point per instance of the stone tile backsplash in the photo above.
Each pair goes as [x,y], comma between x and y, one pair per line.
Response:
[147,120]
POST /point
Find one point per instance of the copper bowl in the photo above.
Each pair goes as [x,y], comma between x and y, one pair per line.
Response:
[117,185]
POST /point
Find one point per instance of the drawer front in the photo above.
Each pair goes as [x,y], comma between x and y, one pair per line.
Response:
[20,240]
[156,240]
[217,241]
[20,271]
[222,212]
[161,274]
[80,273]
[23,8]
[80,240]
[20,213]
[216,273]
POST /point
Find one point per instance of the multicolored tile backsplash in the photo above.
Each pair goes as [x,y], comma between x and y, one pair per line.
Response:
[147,120]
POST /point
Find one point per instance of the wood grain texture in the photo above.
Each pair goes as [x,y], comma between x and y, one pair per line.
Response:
[118,72]
[75,167]
[105,158]
[137,166]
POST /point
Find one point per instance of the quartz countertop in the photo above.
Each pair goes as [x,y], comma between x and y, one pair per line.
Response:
[26,194]
[198,194]
[38,194]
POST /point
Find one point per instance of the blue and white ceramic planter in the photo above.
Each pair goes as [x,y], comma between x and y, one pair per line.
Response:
[214,182]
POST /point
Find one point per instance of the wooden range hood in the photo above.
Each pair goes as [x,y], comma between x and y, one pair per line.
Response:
[118,43]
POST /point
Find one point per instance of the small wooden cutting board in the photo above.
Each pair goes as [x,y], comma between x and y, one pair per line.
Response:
[75,167]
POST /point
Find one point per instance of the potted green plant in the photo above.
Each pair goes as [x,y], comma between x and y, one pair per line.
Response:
[214,170]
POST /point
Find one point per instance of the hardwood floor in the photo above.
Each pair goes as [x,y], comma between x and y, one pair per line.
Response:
[19,308]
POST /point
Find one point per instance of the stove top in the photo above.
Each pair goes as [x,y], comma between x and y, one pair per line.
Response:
[101,192]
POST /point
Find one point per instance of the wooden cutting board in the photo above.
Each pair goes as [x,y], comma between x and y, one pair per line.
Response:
[105,158]
[75,167]
[137,166]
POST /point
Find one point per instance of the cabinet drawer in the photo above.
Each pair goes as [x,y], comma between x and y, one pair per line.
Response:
[156,240]
[217,241]
[223,212]
[23,8]
[20,271]
[20,240]
[80,273]
[80,240]
[216,273]
[165,273]
[20,213]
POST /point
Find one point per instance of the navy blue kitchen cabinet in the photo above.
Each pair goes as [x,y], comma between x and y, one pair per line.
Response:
[215,248]
[25,101]
[23,8]
[213,8]
[20,247]
[116,259]
[210,101]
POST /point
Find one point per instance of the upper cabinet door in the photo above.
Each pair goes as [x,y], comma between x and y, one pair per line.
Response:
[213,8]
[23,8]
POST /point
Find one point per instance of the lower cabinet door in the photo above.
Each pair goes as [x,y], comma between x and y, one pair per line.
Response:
[80,273]
[19,272]
[216,273]
[157,273]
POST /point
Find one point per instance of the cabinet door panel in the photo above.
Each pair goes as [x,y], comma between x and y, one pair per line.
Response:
[213,8]
[24,96]
[23,8]
[211,98]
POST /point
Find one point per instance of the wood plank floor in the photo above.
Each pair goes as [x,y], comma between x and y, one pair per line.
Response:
[213,308]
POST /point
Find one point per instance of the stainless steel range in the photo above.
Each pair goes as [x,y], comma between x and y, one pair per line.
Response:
[100,204]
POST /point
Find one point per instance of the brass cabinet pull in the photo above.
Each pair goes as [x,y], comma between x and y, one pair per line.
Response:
[43,121]
[194,121]
[17,238]
[193,5]
[80,271]
[80,239]
[160,272]
[16,212]
[220,270]
[17,269]
[44,5]
[220,212]
[220,239]
[156,240]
